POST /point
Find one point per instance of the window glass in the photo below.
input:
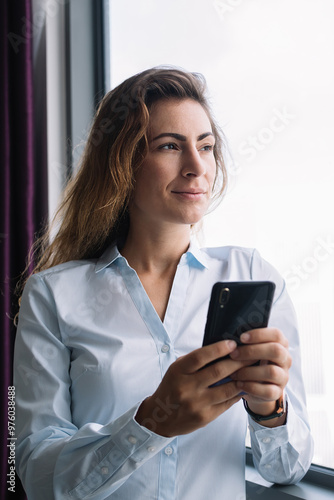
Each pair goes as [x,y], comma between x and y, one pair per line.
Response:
[270,74]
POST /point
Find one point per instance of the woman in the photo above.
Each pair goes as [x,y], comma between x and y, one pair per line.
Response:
[113,391]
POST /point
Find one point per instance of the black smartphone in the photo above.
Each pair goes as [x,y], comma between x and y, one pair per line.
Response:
[236,307]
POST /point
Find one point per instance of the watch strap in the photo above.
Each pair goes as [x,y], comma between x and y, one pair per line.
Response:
[278,412]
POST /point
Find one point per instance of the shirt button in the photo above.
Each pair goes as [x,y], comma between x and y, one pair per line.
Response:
[151,449]
[267,466]
[266,440]
[132,439]
[168,450]
[104,470]
[165,348]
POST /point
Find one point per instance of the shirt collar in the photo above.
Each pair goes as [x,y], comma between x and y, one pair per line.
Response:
[108,257]
[194,256]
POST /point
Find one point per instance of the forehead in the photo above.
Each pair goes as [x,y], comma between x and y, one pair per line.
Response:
[184,116]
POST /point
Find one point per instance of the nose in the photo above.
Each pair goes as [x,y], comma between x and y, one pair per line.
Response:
[193,165]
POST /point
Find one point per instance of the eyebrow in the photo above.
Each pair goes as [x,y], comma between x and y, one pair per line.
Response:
[181,137]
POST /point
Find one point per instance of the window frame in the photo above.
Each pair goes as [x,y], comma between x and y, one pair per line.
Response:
[86,35]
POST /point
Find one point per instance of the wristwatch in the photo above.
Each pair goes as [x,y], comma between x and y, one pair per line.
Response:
[278,412]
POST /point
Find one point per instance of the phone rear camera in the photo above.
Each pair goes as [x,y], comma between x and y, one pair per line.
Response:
[224,296]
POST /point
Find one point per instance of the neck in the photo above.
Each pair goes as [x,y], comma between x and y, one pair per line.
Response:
[157,249]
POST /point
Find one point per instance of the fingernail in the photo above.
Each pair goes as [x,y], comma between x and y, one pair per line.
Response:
[245,337]
[231,344]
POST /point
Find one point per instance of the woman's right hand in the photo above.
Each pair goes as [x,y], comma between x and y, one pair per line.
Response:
[184,400]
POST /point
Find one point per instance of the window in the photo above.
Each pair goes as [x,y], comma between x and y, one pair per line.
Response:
[269,71]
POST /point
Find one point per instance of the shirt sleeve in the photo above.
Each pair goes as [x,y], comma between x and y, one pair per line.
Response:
[55,459]
[283,454]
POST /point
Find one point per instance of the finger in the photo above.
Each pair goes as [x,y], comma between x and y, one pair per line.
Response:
[272,351]
[222,397]
[262,335]
[269,373]
[197,359]
[218,371]
[264,392]
[224,393]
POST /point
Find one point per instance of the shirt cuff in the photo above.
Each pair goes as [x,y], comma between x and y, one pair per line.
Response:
[270,438]
[275,450]
[152,444]
[128,447]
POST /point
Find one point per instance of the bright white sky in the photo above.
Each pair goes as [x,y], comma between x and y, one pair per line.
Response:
[262,60]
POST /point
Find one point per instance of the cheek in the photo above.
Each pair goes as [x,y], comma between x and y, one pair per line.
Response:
[142,191]
[154,177]
[148,187]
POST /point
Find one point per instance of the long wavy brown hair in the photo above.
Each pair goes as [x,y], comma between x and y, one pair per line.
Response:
[93,212]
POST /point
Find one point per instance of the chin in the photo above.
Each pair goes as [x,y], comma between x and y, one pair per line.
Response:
[188,217]
[191,220]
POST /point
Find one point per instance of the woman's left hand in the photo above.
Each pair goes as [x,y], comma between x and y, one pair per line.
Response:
[263,383]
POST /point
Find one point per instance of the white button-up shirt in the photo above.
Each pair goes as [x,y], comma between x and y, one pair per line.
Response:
[90,347]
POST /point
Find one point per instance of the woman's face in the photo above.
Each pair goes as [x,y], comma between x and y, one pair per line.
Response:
[174,183]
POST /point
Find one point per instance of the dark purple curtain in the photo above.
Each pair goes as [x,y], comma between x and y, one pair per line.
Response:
[22,197]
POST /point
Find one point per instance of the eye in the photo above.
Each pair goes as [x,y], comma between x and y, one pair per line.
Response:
[208,147]
[169,145]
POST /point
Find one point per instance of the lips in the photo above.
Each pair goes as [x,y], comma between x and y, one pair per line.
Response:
[189,191]
[190,194]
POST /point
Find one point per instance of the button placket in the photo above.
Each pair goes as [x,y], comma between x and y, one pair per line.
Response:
[266,440]
[168,450]
[132,439]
